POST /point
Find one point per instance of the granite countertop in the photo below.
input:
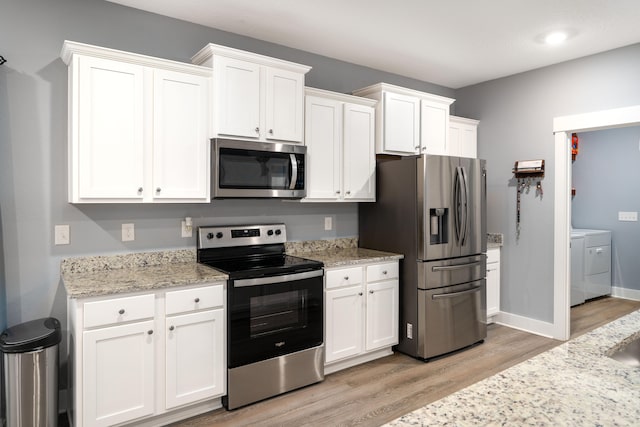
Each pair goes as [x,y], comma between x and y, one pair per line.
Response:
[118,274]
[343,257]
[494,240]
[574,384]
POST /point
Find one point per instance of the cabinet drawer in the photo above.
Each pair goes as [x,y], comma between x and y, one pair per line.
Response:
[384,271]
[194,299]
[493,255]
[118,310]
[343,277]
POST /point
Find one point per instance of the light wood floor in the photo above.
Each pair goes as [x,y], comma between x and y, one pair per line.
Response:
[380,391]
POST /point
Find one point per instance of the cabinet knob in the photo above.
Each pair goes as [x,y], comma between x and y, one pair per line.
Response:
[158,190]
[171,328]
[121,311]
[384,272]
[417,147]
[257,129]
[140,190]
[150,332]
[424,148]
[346,277]
[370,292]
[197,300]
[348,192]
[270,131]
[360,293]
[338,192]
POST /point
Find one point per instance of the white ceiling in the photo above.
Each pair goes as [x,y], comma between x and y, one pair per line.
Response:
[453,43]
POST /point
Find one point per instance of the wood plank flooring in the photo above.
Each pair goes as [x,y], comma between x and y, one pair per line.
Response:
[380,391]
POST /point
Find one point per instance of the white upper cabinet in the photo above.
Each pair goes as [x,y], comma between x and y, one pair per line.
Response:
[339,135]
[255,97]
[137,127]
[463,137]
[408,121]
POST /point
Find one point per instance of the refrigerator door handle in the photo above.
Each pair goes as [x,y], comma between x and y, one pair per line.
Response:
[457,204]
[465,201]
[456,294]
[436,268]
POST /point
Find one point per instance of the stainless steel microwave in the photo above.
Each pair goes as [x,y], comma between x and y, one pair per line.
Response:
[246,169]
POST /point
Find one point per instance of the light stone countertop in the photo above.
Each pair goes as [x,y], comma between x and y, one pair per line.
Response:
[147,271]
[344,257]
[574,384]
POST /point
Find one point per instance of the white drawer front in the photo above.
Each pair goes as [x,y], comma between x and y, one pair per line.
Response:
[343,277]
[118,310]
[384,271]
[493,255]
[194,299]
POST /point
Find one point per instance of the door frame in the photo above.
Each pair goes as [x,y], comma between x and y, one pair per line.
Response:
[563,127]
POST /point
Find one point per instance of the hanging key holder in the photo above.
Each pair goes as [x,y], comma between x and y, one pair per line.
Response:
[526,171]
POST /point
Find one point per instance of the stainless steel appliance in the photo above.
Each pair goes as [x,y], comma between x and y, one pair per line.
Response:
[432,209]
[275,311]
[247,169]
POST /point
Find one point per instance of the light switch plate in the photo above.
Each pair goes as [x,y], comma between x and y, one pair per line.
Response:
[61,235]
[128,233]
[627,216]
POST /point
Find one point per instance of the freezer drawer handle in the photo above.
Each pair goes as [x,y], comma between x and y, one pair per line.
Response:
[456,294]
[454,267]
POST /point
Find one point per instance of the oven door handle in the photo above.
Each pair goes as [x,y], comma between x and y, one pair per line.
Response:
[240,283]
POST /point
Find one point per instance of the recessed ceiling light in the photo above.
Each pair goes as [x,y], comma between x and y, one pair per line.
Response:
[556,37]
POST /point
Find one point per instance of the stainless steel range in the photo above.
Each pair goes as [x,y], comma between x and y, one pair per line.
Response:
[274,311]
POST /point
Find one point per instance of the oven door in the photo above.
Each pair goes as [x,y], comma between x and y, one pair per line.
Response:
[257,170]
[275,315]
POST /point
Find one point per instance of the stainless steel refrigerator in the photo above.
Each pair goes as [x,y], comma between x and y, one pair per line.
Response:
[432,209]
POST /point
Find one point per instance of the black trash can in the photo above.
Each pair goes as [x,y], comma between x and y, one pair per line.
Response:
[30,358]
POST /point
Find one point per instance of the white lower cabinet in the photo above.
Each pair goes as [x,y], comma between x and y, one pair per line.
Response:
[361,321]
[142,359]
[493,283]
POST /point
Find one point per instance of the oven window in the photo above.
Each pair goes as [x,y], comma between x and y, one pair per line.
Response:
[249,169]
[276,313]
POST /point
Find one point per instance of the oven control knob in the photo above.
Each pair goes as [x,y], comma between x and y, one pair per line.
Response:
[270,233]
[219,235]
[278,232]
[210,236]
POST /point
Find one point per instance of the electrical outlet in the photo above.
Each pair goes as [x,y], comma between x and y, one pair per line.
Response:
[128,233]
[61,233]
[328,223]
[409,331]
[627,216]
[187,231]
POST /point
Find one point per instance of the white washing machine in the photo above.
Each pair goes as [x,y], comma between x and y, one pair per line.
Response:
[590,264]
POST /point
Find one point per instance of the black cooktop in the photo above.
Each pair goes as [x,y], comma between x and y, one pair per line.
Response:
[260,266]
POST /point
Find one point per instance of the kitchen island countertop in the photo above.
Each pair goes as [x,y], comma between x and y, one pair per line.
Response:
[574,384]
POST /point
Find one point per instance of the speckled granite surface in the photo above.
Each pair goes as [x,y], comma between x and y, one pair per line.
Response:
[116,274]
[494,240]
[297,248]
[349,256]
[574,384]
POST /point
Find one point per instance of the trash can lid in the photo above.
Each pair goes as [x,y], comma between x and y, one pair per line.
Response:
[31,336]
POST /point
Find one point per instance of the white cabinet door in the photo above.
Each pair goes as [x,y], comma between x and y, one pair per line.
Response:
[434,125]
[107,150]
[401,124]
[463,137]
[344,322]
[284,105]
[194,357]
[237,95]
[323,138]
[493,281]
[359,152]
[180,145]
[382,314]
[118,373]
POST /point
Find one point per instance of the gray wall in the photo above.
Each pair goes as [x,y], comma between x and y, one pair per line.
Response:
[33,134]
[516,123]
[606,176]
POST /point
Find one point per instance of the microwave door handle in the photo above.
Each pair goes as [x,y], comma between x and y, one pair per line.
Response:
[294,171]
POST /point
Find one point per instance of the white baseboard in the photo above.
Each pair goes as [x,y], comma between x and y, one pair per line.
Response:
[632,294]
[526,324]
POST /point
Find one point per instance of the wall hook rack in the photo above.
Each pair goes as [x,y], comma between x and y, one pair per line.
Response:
[525,172]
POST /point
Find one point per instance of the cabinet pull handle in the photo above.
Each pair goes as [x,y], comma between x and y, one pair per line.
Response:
[150,332]
[197,300]
[257,129]
[139,189]
[121,311]
[171,328]
[158,190]
[346,277]
[270,131]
